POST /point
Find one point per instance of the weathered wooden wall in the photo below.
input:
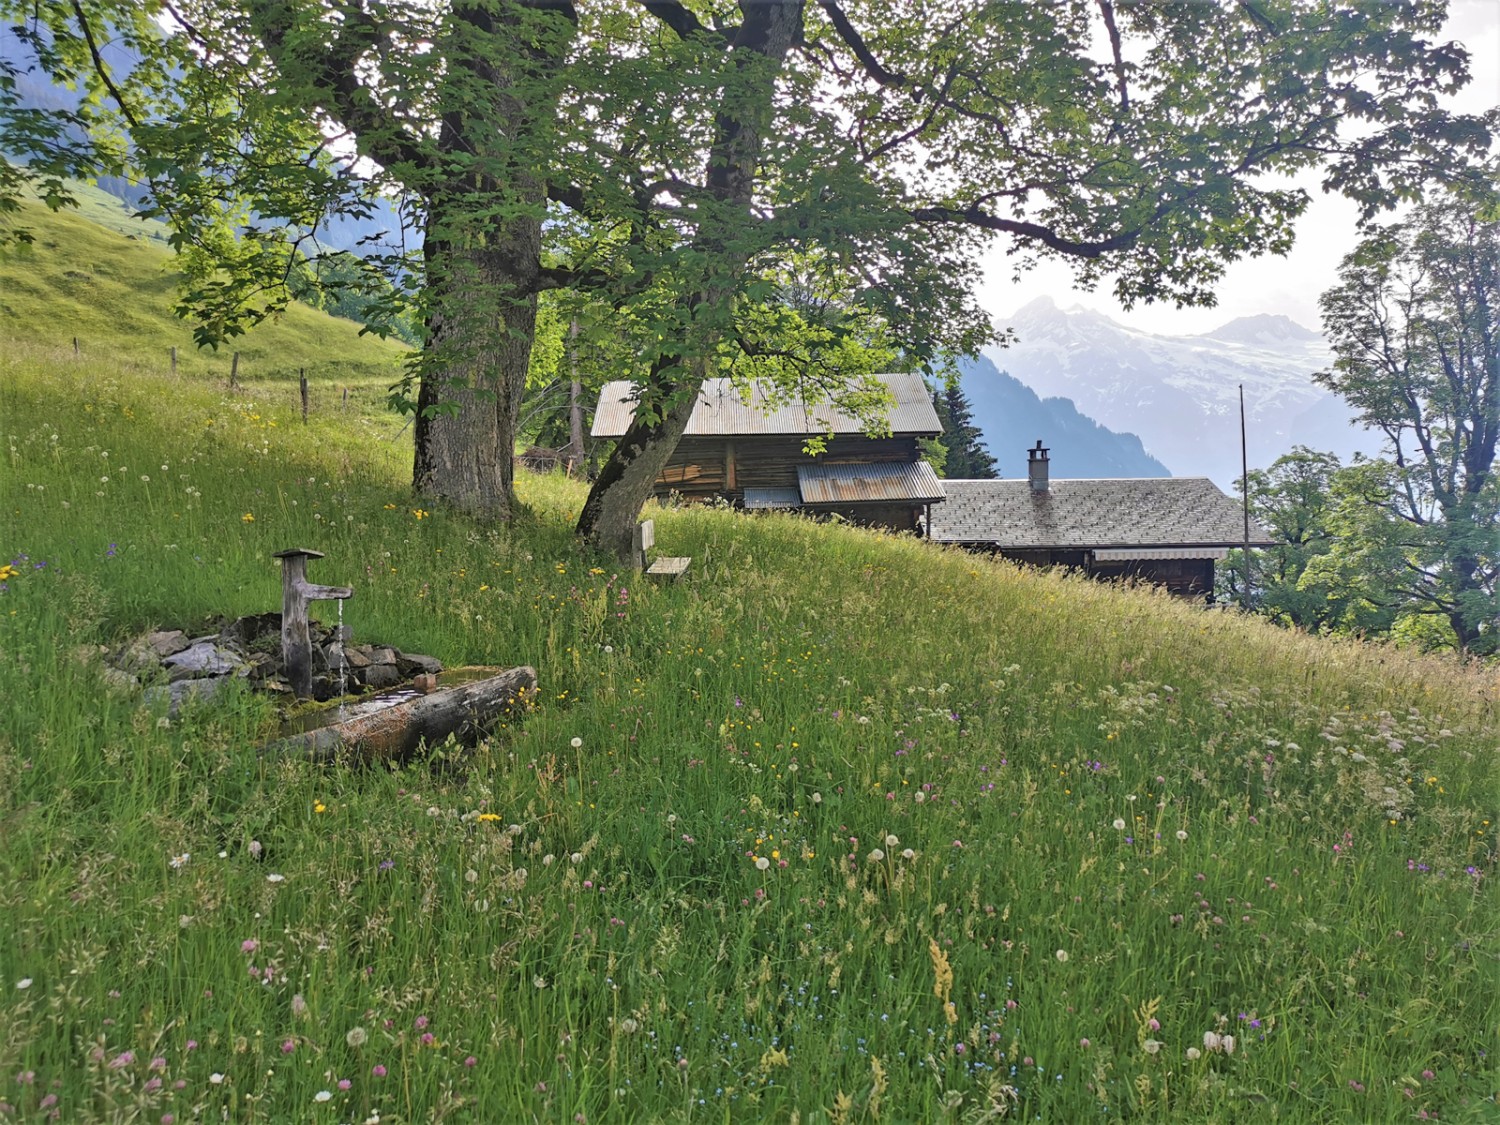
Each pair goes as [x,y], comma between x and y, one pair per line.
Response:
[1186,577]
[701,467]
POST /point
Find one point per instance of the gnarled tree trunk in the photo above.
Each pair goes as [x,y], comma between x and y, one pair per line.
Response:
[624,483]
[474,373]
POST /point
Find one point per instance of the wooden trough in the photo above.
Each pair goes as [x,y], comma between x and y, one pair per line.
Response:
[394,724]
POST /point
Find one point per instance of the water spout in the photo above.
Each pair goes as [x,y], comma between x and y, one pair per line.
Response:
[296,592]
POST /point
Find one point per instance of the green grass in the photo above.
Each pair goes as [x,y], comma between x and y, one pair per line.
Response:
[114,292]
[574,913]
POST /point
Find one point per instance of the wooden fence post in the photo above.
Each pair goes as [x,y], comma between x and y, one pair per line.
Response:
[234,369]
[174,359]
[302,381]
[75,347]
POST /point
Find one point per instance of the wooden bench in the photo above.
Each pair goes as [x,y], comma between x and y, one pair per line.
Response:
[661,567]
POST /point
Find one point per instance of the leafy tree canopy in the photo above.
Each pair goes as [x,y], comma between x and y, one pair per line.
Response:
[679,162]
[1415,327]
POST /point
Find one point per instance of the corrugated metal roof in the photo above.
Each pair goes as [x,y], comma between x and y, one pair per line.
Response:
[1089,514]
[723,412]
[911,481]
[772,498]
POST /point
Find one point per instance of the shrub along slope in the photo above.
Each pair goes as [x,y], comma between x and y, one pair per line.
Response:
[840,828]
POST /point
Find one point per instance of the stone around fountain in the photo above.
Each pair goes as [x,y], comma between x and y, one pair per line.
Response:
[175,666]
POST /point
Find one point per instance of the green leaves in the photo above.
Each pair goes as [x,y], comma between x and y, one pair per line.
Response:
[1415,327]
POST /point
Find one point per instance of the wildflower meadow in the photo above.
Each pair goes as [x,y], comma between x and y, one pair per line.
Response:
[840,828]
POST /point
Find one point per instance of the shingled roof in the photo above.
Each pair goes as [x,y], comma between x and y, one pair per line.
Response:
[722,412]
[1163,512]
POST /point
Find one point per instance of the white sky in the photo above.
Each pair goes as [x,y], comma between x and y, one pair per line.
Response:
[1289,285]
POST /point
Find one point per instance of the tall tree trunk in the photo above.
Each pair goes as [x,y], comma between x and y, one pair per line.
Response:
[624,483]
[483,249]
[480,332]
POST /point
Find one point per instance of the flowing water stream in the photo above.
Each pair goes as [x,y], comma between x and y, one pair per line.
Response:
[343,662]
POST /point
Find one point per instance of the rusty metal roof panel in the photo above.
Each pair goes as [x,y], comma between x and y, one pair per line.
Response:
[1178,512]
[871,482]
[724,411]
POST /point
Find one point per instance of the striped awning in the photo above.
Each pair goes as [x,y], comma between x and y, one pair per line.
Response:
[1128,554]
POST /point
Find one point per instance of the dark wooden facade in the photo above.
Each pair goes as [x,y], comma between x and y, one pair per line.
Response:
[1191,578]
[705,467]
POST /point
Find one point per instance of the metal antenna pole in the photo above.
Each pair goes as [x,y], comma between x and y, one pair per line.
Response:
[1245,489]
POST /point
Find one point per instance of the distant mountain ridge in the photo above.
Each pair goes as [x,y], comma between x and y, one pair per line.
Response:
[382,230]
[1013,418]
[1181,393]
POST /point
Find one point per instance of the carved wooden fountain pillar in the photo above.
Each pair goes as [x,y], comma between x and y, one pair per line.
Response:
[296,592]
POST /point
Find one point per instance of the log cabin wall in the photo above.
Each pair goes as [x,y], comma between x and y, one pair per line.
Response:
[703,467]
[1183,577]
[896,517]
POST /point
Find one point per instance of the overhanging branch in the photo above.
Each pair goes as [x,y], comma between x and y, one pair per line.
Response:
[976,217]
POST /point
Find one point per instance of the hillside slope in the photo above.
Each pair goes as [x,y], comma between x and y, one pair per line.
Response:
[841,826]
[114,293]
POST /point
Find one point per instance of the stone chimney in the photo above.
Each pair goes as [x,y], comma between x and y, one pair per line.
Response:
[1036,467]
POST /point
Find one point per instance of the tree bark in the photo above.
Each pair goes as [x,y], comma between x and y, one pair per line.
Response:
[480,332]
[625,482]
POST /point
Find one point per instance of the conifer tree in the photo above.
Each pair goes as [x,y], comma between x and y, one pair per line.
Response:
[967,459]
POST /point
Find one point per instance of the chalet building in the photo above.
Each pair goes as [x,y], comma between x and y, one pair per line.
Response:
[1167,531]
[751,454]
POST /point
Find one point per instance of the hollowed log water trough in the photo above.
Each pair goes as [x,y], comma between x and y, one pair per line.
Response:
[464,703]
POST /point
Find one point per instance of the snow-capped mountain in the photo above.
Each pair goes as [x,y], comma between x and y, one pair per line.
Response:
[1012,418]
[1181,393]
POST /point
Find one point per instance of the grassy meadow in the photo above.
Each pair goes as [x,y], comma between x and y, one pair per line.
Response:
[842,828]
[105,279]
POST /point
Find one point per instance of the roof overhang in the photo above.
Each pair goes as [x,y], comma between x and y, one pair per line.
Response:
[877,482]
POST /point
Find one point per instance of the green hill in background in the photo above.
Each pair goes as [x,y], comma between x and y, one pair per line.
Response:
[106,278]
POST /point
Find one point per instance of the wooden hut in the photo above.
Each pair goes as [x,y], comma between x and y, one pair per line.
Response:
[750,452]
[1168,531]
